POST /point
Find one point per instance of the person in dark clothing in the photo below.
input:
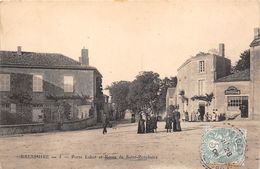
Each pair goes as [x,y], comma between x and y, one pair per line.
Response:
[243,110]
[174,121]
[148,124]
[168,125]
[177,117]
[153,123]
[133,118]
[186,116]
[105,124]
[141,126]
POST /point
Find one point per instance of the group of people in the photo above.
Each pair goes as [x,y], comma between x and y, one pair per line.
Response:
[172,119]
[198,116]
[147,123]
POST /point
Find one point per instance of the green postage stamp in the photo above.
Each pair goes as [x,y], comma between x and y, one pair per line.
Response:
[223,148]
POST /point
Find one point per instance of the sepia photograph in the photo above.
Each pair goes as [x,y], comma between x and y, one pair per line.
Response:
[129,84]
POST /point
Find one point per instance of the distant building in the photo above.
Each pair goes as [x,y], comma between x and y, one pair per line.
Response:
[208,74]
[48,88]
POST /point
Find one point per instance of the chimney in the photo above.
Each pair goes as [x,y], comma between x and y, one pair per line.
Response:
[19,50]
[84,57]
[221,49]
[256,33]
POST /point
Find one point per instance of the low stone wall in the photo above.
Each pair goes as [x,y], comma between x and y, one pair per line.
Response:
[41,127]
[21,128]
[51,127]
[76,125]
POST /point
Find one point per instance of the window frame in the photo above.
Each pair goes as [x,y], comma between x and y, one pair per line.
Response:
[5,82]
[201,88]
[13,108]
[236,102]
[202,67]
[37,87]
[67,87]
[5,107]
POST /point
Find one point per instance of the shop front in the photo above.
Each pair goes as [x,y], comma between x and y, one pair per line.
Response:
[233,99]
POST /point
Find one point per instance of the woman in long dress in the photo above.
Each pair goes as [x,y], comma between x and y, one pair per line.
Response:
[148,123]
[141,126]
[177,117]
[168,125]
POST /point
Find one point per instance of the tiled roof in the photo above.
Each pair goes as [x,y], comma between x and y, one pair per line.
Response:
[32,58]
[238,76]
[43,60]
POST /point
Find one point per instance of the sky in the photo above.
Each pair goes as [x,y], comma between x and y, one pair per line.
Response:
[126,37]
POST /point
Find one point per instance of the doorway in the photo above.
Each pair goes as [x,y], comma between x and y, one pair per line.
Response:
[244,108]
[202,111]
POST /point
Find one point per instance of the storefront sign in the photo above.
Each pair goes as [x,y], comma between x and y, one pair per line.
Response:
[232,90]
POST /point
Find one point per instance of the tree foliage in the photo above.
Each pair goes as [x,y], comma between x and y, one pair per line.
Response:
[119,91]
[144,90]
[99,99]
[147,90]
[183,97]
[99,87]
[207,98]
[244,62]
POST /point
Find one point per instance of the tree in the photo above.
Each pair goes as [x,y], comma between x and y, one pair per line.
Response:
[183,97]
[244,62]
[99,98]
[99,88]
[23,98]
[67,110]
[22,94]
[119,91]
[144,91]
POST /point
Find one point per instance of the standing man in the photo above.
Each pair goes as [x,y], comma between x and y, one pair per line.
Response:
[105,123]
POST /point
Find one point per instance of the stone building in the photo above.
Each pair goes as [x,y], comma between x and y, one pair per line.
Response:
[255,73]
[196,78]
[205,84]
[48,88]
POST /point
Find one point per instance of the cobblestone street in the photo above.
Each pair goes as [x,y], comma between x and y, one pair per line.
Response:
[120,148]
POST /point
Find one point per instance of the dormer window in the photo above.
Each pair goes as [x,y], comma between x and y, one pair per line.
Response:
[201,66]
